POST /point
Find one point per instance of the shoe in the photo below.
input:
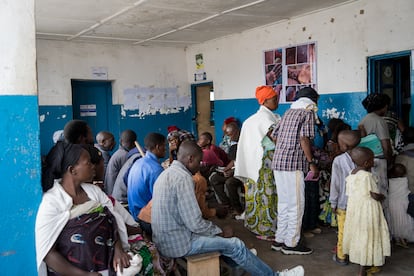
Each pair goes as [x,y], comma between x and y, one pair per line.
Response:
[339,261]
[277,246]
[297,250]
[296,271]
[254,251]
[373,270]
[308,235]
[316,230]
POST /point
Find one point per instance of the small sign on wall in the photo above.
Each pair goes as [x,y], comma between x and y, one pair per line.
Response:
[99,73]
[87,110]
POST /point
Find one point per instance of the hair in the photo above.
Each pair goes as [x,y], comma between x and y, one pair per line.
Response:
[408,135]
[360,155]
[74,130]
[375,101]
[57,162]
[96,155]
[207,135]
[397,170]
[128,136]
[103,135]
[308,92]
[153,139]
[188,148]
[351,137]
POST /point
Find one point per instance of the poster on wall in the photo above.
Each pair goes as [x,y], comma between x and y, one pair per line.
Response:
[289,69]
[200,73]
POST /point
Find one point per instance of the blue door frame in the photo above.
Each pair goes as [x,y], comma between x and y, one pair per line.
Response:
[373,79]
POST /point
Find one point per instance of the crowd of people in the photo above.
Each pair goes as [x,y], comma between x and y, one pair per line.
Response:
[139,209]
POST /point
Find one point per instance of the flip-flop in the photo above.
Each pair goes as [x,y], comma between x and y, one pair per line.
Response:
[265,238]
[373,270]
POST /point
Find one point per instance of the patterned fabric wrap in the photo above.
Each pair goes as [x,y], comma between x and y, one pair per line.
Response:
[261,197]
[87,241]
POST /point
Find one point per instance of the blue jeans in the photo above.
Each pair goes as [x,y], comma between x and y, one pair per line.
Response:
[233,248]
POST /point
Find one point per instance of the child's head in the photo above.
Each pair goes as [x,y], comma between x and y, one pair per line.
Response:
[363,157]
[348,139]
[397,170]
[335,126]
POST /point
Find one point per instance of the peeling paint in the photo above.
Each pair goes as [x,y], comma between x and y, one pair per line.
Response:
[333,113]
[42,118]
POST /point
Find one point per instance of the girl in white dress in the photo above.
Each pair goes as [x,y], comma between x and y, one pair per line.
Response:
[366,238]
[401,223]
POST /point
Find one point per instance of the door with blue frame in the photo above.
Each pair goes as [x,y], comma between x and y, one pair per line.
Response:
[92,102]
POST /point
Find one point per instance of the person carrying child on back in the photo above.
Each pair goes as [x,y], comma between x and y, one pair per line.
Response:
[341,167]
[366,238]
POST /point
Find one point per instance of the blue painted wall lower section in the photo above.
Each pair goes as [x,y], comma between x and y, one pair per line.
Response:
[346,106]
[20,177]
[54,118]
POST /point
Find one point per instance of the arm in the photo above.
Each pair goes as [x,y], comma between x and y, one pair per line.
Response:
[306,146]
[58,263]
[387,149]
[377,196]
[334,187]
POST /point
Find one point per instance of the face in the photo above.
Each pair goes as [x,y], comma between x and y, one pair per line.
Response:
[109,143]
[193,164]
[203,141]
[173,143]
[161,150]
[272,103]
[84,170]
[370,162]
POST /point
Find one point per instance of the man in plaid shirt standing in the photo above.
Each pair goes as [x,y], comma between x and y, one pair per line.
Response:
[292,158]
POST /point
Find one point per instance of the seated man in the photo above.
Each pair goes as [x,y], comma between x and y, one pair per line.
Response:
[143,174]
[105,143]
[225,180]
[117,160]
[178,227]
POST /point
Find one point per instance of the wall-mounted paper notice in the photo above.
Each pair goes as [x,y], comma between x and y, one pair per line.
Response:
[87,110]
[99,73]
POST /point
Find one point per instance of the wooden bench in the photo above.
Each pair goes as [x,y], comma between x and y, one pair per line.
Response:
[209,264]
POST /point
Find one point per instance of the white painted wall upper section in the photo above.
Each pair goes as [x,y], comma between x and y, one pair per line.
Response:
[128,66]
[345,35]
[17,48]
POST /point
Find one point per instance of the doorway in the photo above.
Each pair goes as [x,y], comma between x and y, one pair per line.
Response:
[203,112]
[390,74]
[91,102]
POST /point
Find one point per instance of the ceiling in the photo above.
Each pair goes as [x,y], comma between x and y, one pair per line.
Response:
[172,23]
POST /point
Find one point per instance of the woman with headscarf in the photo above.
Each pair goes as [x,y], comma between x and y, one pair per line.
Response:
[254,156]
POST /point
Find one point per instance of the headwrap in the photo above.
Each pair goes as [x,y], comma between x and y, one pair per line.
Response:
[230,120]
[264,92]
[308,92]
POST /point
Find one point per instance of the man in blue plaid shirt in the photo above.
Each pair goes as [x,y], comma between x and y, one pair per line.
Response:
[178,227]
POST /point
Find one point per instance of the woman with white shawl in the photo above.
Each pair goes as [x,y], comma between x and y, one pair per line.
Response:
[78,232]
[253,160]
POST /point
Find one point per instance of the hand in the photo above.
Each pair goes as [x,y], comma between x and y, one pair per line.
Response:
[377,196]
[221,212]
[228,172]
[227,231]
[334,210]
[121,258]
[314,169]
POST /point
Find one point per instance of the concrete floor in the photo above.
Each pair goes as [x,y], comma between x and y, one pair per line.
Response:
[320,261]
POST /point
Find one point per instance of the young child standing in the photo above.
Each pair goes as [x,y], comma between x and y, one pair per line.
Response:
[401,224]
[366,238]
[341,168]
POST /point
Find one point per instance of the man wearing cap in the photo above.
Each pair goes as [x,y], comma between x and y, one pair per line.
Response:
[293,158]
[255,150]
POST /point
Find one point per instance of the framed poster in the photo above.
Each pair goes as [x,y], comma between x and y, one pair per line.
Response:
[289,69]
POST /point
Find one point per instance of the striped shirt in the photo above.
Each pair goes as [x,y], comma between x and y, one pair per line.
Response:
[289,156]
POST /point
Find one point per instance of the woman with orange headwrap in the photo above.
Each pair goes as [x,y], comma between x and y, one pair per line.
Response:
[254,156]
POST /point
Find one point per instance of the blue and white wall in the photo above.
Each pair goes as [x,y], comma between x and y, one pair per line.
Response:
[19,143]
[345,36]
[128,66]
